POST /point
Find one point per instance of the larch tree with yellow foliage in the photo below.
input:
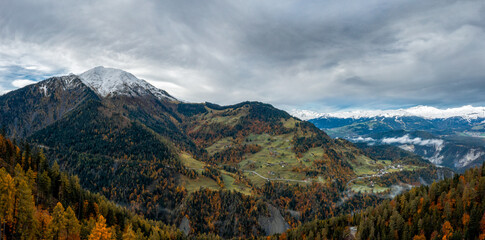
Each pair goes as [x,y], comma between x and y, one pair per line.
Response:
[7,200]
[73,228]
[100,230]
[129,234]
[58,223]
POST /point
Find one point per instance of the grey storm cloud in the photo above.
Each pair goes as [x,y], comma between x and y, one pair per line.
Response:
[325,54]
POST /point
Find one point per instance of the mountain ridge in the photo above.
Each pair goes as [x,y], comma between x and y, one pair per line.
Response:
[467,112]
[32,107]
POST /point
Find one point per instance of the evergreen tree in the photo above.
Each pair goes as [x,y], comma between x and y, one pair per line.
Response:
[58,224]
[7,200]
[25,207]
[129,234]
[73,228]
[44,184]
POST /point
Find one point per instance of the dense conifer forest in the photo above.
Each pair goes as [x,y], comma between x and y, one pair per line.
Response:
[38,201]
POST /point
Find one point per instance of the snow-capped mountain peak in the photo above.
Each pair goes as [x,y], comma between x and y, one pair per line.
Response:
[467,112]
[305,114]
[111,82]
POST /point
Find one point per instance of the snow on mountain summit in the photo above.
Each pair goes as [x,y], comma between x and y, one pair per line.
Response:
[427,112]
[111,81]
[305,114]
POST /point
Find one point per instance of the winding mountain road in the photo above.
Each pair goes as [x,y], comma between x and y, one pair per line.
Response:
[276,179]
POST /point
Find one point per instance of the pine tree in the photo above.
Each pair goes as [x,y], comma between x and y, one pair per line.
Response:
[129,234]
[24,210]
[100,231]
[73,228]
[58,224]
[44,184]
[7,200]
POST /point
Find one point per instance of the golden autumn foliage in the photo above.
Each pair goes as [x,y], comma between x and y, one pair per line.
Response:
[32,198]
[449,209]
[100,231]
[447,230]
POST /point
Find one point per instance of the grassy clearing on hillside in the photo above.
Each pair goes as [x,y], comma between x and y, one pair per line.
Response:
[204,182]
[220,145]
[289,123]
[368,189]
[193,185]
[412,167]
[367,166]
[275,160]
[229,117]
[255,179]
[190,162]
[230,185]
[311,155]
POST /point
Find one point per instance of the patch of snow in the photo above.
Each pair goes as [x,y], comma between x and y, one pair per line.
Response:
[110,82]
[471,156]
[69,82]
[43,89]
[409,148]
[305,114]
[437,159]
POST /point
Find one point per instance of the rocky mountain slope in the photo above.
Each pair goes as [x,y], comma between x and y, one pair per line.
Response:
[33,107]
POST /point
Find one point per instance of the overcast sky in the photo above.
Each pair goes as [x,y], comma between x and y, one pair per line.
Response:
[316,55]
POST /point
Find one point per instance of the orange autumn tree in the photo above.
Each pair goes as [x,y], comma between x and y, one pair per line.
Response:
[100,231]
[447,230]
[419,237]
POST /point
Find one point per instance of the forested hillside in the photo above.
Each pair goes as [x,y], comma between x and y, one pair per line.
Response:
[41,202]
[243,170]
[450,209]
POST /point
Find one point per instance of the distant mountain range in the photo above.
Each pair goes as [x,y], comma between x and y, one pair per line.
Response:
[453,137]
[426,112]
